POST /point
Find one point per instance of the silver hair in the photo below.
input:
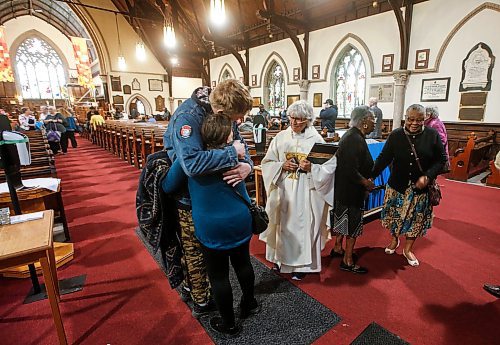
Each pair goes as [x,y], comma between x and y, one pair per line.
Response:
[302,110]
[416,107]
[43,107]
[50,107]
[433,111]
[358,115]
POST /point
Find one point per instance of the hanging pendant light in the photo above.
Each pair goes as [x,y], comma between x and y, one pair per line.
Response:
[169,35]
[122,65]
[217,12]
[140,51]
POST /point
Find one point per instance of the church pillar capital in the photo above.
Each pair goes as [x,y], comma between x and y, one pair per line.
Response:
[400,81]
[304,88]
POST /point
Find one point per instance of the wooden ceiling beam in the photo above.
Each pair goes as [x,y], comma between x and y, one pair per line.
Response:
[404,25]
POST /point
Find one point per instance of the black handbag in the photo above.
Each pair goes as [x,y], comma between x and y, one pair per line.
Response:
[260,219]
[434,190]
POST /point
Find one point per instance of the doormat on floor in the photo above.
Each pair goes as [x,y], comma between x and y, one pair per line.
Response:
[375,334]
[288,316]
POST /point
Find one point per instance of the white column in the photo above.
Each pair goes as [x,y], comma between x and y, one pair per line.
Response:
[304,88]
[400,81]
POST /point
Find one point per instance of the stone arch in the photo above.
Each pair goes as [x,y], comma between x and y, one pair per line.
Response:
[226,67]
[356,42]
[37,34]
[454,31]
[149,108]
[273,57]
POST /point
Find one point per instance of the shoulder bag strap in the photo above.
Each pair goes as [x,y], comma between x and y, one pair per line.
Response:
[414,151]
[242,198]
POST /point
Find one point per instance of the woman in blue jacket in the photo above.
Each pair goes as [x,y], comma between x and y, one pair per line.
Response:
[223,225]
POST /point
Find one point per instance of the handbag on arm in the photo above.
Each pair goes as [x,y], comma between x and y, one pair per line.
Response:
[260,219]
[434,190]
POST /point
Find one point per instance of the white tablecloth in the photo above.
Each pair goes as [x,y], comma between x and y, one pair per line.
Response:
[49,183]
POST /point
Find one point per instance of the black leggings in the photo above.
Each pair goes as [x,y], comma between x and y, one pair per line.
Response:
[68,135]
[217,262]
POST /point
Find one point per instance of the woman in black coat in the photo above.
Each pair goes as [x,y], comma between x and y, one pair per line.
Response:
[407,210]
[352,184]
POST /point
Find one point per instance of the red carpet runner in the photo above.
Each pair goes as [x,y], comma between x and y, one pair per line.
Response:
[127,300]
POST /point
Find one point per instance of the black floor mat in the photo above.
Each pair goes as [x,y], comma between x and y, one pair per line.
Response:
[375,334]
[288,316]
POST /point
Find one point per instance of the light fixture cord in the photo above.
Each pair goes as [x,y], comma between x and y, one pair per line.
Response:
[118,33]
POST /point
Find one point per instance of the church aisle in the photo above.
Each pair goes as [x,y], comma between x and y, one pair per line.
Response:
[126,298]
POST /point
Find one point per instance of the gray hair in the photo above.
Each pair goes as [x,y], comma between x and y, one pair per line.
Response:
[358,115]
[433,111]
[416,107]
[43,108]
[51,107]
[302,110]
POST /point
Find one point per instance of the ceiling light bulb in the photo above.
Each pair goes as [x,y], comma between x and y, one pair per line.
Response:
[140,51]
[217,12]
[121,62]
[169,36]
[174,61]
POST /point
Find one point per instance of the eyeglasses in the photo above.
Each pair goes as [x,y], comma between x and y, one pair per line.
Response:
[410,120]
[297,119]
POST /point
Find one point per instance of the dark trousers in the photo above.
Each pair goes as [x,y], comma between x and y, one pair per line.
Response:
[54,146]
[64,142]
[217,262]
[68,135]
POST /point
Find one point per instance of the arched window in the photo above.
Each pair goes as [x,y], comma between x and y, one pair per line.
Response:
[39,69]
[226,75]
[276,89]
[349,81]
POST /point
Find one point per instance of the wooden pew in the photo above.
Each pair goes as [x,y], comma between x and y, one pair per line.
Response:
[473,159]
[494,178]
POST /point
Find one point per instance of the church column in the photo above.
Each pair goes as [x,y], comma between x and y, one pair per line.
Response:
[304,88]
[400,81]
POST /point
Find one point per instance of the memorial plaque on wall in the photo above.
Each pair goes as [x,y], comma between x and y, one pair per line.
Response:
[472,106]
[127,90]
[435,90]
[160,103]
[136,85]
[382,92]
[116,84]
[477,69]
[117,99]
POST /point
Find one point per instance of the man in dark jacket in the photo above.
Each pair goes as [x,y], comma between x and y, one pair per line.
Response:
[377,132]
[328,116]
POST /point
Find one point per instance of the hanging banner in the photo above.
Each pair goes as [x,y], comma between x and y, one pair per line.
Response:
[82,62]
[5,66]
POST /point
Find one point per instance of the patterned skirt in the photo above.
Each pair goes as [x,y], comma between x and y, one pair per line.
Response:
[346,220]
[408,214]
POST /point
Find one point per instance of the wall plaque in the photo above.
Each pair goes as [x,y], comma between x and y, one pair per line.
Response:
[116,84]
[160,103]
[155,84]
[296,73]
[382,92]
[435,90]
[387,62]
[315,72]
[318,100]
[291,99]
[477,68]
[472,106]
[117,99]
[422,58]
[127,90]
[254,79]
[136,85]
[256,102]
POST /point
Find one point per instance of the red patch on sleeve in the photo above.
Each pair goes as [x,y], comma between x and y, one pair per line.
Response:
[186,131]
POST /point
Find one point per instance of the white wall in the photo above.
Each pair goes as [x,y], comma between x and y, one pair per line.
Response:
[378,35]
[182,88]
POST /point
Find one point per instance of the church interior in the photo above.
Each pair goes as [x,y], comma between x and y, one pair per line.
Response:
[93,95]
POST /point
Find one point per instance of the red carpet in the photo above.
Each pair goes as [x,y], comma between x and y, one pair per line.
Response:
[127,300]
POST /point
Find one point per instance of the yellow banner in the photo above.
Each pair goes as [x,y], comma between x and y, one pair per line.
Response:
[82,62]
[5,66]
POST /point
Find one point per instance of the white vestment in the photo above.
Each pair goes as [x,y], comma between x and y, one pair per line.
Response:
[297,203]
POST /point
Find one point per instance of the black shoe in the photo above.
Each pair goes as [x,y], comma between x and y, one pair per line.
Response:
[218,325]
[276,268]
[200,310]
[298,275]
[492,290]
[334,254]
[247,310]
[353,268]
[185,294]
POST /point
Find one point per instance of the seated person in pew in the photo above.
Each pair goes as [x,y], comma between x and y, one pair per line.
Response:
[224,228]
[299,196]
[183,142]
[247,125]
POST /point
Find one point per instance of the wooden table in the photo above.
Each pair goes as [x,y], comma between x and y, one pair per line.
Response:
[29,242]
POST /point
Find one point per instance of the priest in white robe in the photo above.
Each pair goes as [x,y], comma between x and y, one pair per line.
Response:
[299,195]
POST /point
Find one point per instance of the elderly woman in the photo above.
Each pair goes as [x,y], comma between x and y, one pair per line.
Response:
[298,194]
[352,184]
[407,210]
[432,120]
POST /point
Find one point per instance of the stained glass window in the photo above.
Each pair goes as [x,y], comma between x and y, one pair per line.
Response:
[276,89]
[349,81]
[39,69]
[226,75]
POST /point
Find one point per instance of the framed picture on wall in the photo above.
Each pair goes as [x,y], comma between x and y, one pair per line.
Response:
[254,79]
[318,100]
[296,73]
[315,72]
[127,90]
[435,90]
[116,84]
[387,63]
[291,98]
[136,85]
[159,103]
[179,102]
[155,84]
[214,83]
[117,99]
[422,58]
[256,102]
